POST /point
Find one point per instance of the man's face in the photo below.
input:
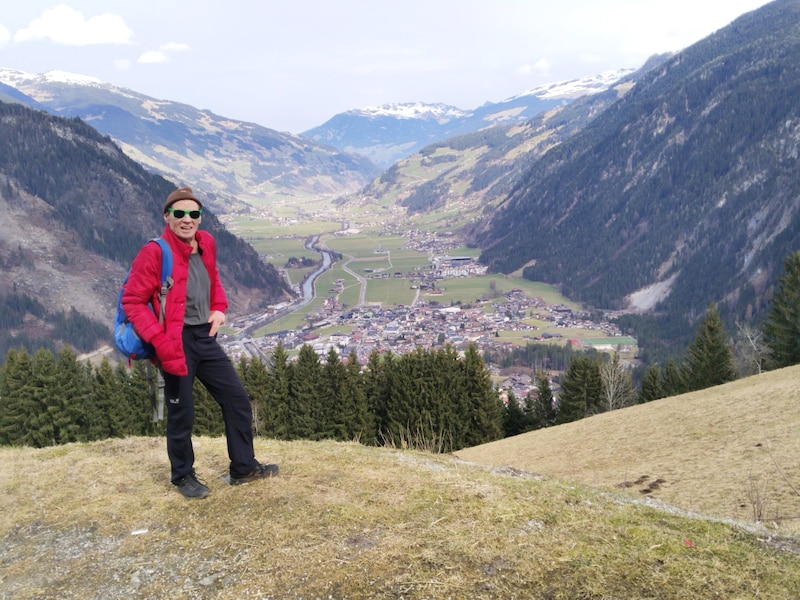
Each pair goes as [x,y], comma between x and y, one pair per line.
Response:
[184,226]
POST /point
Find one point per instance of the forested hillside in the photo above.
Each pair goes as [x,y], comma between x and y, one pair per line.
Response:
[682,193]
[74,212]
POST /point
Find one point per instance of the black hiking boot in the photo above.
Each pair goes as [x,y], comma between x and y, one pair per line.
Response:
[260,472]
[190,487]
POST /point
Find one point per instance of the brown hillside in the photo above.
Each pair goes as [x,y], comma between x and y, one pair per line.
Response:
[729,451]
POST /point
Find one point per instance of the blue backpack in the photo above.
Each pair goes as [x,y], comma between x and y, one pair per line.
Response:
[125,338]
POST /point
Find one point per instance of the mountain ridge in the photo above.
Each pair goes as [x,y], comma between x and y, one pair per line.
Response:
[197,146]
[389,133]
[694,162]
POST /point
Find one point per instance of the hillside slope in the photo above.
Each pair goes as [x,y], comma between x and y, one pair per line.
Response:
[729,450]
[229,160]
[347,521]
[74,211]
[687,182]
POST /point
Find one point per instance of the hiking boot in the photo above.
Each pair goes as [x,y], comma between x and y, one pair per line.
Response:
[260,472]
[190,487]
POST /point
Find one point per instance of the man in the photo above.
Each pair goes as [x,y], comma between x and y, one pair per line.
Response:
[186,345]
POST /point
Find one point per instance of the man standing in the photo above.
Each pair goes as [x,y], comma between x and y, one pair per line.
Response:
[186,344]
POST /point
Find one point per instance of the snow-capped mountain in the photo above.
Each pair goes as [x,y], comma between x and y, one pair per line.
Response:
[575,88]
[388,133]
[441,113]
[192,146]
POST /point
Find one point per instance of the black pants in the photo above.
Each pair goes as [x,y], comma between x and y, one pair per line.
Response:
[208,362]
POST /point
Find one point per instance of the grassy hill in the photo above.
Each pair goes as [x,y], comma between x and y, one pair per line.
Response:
[101,520]
[729,451]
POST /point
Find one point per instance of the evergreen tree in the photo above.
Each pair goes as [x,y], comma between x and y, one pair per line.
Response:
[485,409]
[544,409]
[335,411]
[651,385]
[16,398]
[782,325]
[710,357]
[106,420]
[305,406]
[376,392]
[360,422]
[134,403]
[580,390]
[255,378]
[514,420]
[72,390]
[672,380]
[453,391]
[40,425]
[275,412]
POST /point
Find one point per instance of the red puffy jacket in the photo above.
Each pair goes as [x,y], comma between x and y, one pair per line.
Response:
[144,284]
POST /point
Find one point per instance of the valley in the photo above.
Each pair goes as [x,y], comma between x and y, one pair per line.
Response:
[393,287]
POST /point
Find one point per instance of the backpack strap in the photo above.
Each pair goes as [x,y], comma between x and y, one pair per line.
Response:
[157,387]
[166,275]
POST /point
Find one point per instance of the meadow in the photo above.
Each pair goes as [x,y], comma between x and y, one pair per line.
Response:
[693,496]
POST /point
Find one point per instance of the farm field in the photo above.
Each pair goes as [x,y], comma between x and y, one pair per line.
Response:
[388,267]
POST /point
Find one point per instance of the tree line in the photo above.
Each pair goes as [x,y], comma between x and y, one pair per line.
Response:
[437,399]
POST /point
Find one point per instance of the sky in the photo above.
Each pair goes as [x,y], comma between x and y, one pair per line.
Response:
[291,65]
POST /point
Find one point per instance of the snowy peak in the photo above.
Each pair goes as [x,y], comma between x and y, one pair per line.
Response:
[441,113]
[15,78]
[575,88]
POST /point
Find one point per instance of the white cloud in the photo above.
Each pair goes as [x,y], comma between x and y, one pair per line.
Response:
[5,36]
[65,25]
[152,57]
[122,64]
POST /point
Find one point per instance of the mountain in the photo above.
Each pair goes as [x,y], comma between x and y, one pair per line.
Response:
[193,146]
[74,210]
[681,193]
[388,133]
[454,183]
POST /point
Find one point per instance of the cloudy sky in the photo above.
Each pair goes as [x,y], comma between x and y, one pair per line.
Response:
[293,64]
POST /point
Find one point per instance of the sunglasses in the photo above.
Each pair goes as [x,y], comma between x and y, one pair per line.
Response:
[179,213]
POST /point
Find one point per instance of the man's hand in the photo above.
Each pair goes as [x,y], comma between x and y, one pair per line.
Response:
[217,319]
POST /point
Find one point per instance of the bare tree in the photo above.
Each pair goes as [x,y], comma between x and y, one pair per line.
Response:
[617,384]
[750,351]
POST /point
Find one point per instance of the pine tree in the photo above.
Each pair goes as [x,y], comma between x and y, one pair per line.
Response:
[544,409]
[360,423]
[672,380]
[710,358]
[72,390]
[255,379]
[134,403]
[275,412]
[485,408]
[335,410]
[304,395]
[41,430]
[376,392]
[782,325]
[16,398]
[106,420]
[514,421]
[580,390]
[651,385]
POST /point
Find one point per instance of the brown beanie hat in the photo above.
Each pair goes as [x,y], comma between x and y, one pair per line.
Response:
[184,193]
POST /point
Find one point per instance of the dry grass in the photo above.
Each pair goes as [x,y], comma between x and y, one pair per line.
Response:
[345,521]
[729,451]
